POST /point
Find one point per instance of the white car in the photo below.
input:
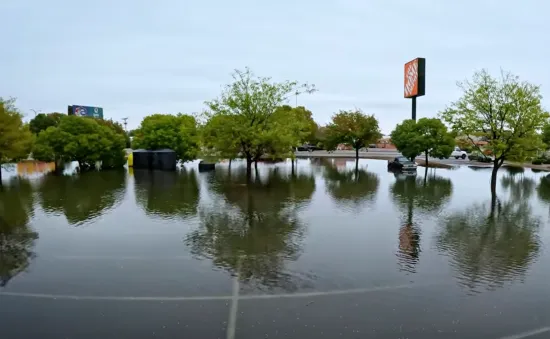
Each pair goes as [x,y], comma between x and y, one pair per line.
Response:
[458,153]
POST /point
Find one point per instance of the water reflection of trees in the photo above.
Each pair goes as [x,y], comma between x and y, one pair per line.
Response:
[167,194]
[82,197]
[491,243]
[518,185]
[543,189]
[350,187]
[426,194]
[253,228]
[16,237]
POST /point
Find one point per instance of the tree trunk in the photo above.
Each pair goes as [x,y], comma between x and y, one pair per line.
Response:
[248,166]
[256,164]
[356,154]
[229,162]
[496,166]
[57,167]
[0,174]
[292,162]
[356,168]
[426,160]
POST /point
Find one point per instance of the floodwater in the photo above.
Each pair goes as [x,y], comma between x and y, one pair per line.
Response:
[318,250]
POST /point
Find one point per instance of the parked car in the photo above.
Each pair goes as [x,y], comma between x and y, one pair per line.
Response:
[372,145]
[401,164]
[458,153]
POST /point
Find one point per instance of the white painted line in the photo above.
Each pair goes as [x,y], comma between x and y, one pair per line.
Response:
[528,334]
[334,292]
[232,321]
[112,298]
[235,295]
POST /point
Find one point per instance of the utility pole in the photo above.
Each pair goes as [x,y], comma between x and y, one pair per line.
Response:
[125,123]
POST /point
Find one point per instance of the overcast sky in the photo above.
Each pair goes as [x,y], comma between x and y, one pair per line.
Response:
[135,57]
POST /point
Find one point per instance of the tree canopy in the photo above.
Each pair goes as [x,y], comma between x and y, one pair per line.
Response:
[258,124]
[42,121]
[176,132]
[428,136]
[82,139]
[353,128]
[507,111]
[15,137]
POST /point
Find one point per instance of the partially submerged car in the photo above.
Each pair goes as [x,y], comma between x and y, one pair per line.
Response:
[401,164]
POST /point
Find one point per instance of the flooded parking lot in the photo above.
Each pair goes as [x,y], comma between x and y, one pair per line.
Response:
[321,249]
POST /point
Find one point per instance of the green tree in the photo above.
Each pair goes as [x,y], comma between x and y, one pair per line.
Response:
[117,128]
[353,128]
[83,197]
[15,137]
[220,137]
[82,139]
[308,126]
[252,103]
[176,132]
[428,136]
[16,237]
[507,111]
[42,121]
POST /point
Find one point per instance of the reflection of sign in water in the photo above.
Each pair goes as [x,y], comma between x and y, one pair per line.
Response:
[86,111]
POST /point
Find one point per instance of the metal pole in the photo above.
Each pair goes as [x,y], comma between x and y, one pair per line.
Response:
[413,108]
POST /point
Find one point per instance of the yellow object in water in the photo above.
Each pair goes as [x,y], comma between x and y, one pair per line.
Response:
[131,160]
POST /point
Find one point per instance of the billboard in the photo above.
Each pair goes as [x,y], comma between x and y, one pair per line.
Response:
[415,78]
[86,111]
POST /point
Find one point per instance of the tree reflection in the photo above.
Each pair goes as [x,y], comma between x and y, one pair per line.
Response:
[16,238]
[425,195]
[82,197]
[350,187]
[519,186]
[253,228]
[543,190]
[491,243]
[167,194]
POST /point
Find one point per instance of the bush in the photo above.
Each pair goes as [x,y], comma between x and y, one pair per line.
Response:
[537,162]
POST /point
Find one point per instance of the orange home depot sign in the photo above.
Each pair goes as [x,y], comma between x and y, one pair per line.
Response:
[415,78]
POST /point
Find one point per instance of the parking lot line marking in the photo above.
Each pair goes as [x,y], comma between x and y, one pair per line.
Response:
[528,333]
[112,298]
[234,297]
[232,321]
[334,292]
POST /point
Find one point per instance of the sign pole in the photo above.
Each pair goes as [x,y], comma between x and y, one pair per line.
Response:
[413,115]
